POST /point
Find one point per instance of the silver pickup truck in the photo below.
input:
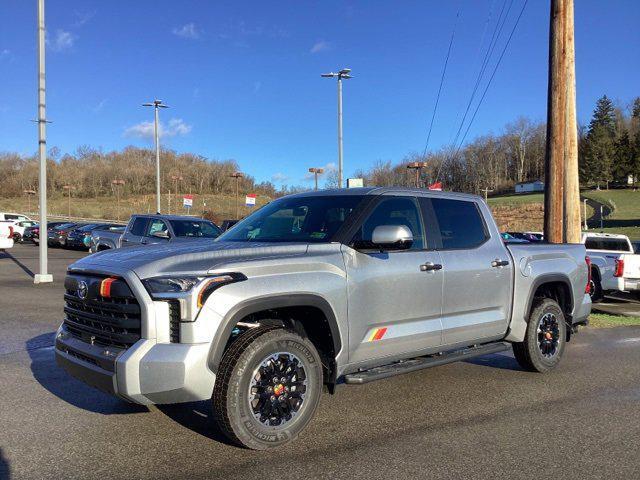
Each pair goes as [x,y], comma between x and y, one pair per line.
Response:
[322,288]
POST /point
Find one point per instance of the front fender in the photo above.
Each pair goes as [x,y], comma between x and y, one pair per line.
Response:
[269,302]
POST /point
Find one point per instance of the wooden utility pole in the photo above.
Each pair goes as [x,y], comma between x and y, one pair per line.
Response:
[571,224]
[556,121]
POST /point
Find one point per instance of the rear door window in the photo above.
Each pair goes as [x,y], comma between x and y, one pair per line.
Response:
[460,223]
[138,226]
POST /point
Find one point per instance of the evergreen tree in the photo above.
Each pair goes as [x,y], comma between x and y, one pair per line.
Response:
[634,166]
[599,152]
[604,115]
[624,158]
[600,155]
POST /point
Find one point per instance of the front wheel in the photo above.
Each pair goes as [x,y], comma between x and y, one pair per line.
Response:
[545,338]
[267,388]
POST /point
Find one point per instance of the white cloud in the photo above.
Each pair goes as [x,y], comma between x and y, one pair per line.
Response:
[328,168]
[320,46]
[62,40]
[83,17]
[175,127]
[100,105]
[188,30]
[279,177]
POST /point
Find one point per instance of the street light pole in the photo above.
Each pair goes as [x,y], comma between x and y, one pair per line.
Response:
[346,74]
[417,166]
[316,172]
[42,276]
[68,189]
[116,184]
[175,179]
[156,104]
[237,176]
[29,193]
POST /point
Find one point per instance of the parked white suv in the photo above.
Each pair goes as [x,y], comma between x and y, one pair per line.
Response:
[614,266]
[14,217]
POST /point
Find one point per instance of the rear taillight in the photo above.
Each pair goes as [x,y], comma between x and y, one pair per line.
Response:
[10,231]
[59,232]
[619,271]
[587,289]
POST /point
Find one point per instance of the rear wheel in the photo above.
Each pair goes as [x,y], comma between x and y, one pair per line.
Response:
[17,237]
[268,388]
[595,288]
[545,338]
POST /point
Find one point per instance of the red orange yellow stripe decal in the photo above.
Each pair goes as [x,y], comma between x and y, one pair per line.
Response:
[377,334]
[105,287]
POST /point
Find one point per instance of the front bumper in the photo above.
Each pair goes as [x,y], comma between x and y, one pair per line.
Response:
[148,372]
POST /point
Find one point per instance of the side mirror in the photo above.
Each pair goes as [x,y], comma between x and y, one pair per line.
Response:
[392,237]
[161,234]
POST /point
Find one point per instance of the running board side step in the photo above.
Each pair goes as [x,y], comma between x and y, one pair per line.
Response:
[406,366]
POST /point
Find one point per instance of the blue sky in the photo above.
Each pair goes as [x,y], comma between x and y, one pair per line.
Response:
[243,78]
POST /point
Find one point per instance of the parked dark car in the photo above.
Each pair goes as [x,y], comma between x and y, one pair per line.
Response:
[57,236]
[80,237]
[32,234]
[529,237]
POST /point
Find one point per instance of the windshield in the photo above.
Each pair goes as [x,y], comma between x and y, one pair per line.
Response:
[195,228]
[297,219]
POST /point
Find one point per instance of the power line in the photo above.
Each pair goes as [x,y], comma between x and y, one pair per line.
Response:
[497,32]
[444,71]
[495,69]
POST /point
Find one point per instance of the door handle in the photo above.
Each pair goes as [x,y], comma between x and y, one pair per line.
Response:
[499,263]
[430,266]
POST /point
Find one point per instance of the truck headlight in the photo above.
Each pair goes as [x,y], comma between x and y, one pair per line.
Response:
[191,291]
[170,284]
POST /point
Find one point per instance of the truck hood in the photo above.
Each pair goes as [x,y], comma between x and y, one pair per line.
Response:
[194,258]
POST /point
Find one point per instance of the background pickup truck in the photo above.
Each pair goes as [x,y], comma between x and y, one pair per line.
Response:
[152,230]
[329,287]
[6,234]
[614,265]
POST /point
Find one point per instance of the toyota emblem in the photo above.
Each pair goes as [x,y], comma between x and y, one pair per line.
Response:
[82,290]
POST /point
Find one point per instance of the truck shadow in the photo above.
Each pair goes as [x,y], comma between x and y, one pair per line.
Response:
[54,379]
[496,360]
[23,267]
[5,471]
[197,417]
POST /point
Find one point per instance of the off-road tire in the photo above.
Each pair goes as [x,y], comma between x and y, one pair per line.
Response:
[528,352]
[231,408]
[597,294]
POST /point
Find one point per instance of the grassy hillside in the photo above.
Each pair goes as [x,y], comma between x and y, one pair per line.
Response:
[222,206]
[524,212]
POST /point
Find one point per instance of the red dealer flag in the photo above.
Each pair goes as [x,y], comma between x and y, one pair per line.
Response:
[436,186]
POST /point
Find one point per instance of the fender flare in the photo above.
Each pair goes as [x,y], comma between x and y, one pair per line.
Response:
[258,304]
[550,278]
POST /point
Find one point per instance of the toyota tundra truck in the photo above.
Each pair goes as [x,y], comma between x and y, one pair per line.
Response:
[311,291]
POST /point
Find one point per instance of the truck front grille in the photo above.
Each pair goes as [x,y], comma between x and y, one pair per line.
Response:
[107,321]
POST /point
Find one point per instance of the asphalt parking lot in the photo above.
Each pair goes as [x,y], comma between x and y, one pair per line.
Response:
[485,418]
